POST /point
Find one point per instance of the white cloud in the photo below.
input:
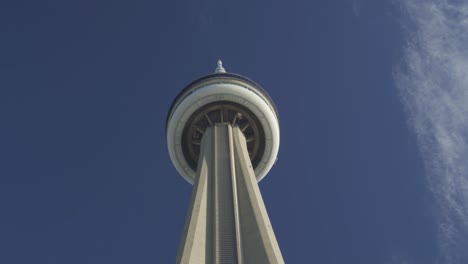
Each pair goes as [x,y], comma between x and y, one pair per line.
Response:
[434,89]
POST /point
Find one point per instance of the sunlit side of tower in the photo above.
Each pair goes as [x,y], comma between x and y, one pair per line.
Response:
[223,137]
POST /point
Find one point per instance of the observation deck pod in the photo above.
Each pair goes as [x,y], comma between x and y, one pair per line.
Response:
[222,97]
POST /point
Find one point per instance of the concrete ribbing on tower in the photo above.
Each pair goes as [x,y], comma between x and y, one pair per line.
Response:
[227,220]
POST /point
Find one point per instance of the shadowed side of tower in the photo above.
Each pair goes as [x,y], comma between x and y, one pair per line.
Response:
[223,136]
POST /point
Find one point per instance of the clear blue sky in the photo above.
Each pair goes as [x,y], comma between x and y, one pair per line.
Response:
[372,101]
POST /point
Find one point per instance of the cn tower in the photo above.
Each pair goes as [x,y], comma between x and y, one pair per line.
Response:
[223,137]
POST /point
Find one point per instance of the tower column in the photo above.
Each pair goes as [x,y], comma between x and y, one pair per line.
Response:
[227,221]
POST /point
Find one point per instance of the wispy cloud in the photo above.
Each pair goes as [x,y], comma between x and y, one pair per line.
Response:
[356,6]
[398,260]
[433,84]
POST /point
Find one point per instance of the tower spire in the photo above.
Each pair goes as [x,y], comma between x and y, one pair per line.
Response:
[219,68]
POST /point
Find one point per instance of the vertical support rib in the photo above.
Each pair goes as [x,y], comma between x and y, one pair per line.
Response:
[258,239]
[196,240]
[236,199]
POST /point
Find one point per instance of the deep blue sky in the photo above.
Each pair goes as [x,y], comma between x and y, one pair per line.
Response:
[85,87]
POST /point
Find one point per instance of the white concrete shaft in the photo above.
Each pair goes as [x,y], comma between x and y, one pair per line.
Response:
[227,220]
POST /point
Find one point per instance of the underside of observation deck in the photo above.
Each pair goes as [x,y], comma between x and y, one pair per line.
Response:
[223,112]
